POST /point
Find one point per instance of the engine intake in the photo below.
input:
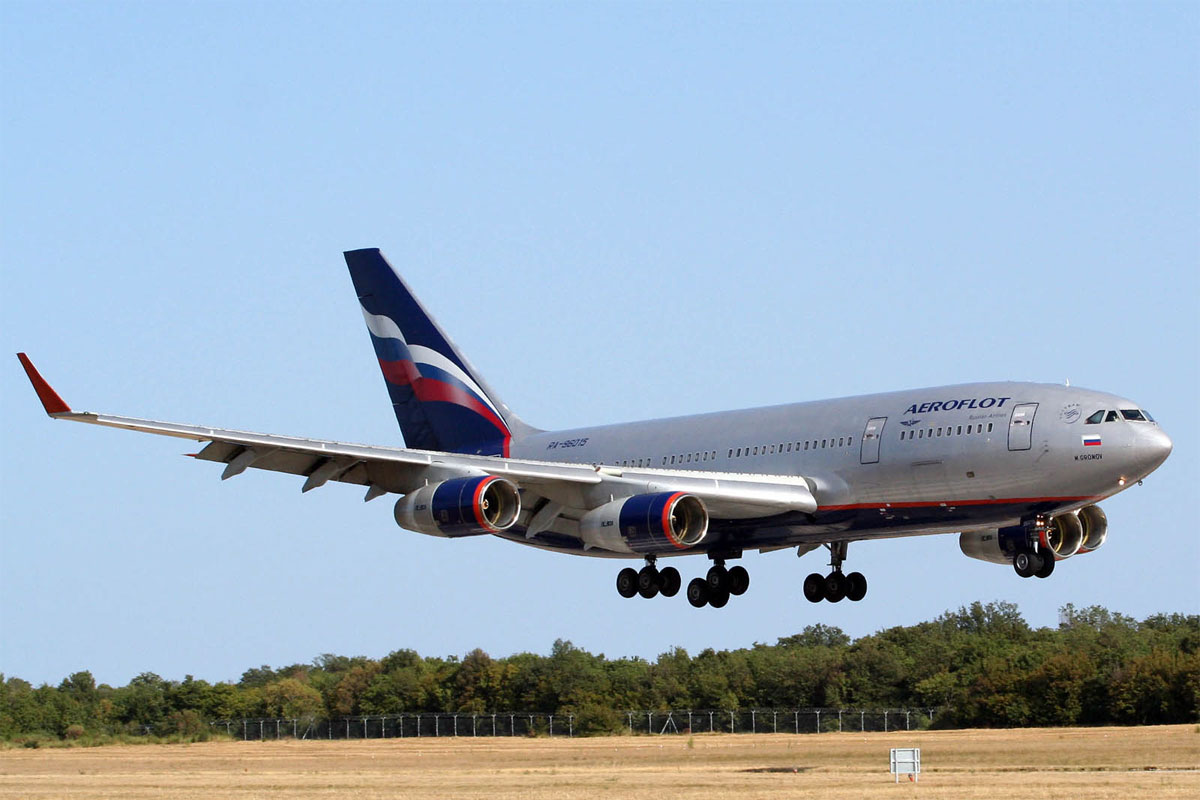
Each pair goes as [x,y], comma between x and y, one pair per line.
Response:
[460,507]
[1062,536]
[647,523]
[1095,528]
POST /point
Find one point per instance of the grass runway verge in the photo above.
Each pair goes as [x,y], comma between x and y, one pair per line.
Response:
[1092,763]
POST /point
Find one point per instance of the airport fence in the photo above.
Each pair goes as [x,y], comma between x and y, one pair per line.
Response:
[521,723]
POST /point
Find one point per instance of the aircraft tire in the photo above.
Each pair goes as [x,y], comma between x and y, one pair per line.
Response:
[647,581]
[1026,562]
[697,592]
[835,587]
[627,582]
[1047,565]
[669,581]
[739,580]
[718,598]
[814,588]
[856,586]
[718,578]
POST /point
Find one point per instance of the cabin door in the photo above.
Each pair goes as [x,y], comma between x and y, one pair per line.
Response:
[870,440]
[1020,426]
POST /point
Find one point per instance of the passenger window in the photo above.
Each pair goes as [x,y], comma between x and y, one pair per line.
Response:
[959,431]
[841,442]
[823,442]
[806,445]
[989,427]
[1095,419]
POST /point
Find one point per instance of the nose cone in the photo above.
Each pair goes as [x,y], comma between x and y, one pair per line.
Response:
[1153,446]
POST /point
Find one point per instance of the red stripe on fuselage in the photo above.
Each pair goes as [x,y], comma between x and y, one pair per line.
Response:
[948,503]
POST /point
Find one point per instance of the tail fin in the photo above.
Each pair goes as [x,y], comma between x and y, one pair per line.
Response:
[439,400]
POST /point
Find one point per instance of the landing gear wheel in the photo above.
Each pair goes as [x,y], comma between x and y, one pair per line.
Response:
[697,592]
[718,578]
[814,588]
[1026,562]
[835,587]
[627,582]
[856,587]
[1047,566]
[669,581]
[648,581]
[739,580]
[718,598]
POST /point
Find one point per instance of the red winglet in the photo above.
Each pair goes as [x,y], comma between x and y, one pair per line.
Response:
[50,399]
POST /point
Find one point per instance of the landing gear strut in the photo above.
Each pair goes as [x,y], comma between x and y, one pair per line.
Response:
[835,586]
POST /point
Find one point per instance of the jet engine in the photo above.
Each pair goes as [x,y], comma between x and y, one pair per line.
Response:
[460,507]
[1062,536]
[646,523]
[1095,528]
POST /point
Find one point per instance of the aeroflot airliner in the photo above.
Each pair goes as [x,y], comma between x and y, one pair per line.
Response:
[1015,468]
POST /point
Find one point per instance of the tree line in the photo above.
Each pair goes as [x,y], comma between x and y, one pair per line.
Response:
[983,665]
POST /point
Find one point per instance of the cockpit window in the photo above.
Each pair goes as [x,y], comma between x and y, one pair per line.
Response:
[1112,417]
[1132,414]
[1148,417]
[1096,418]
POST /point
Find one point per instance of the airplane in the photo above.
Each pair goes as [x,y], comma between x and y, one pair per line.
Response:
[1016,469]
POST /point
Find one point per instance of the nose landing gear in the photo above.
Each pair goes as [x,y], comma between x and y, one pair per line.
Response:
[835,586]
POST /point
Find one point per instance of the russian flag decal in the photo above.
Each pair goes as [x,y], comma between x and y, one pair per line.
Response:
[1091,441]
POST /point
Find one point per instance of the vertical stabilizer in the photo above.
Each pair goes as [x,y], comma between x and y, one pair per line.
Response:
[440,401]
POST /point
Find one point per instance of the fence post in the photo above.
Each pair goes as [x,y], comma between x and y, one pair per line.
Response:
[732,723]
[839,720]
[689,721]
[862,721]
[474,723]
[818,720]
[885,715]
[512,724]
[710,721]
[551,726]
[906,720]
[753,724]
[570,726]
[774,722]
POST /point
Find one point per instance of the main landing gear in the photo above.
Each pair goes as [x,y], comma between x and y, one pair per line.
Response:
[718,585]
[714,589]
[835,586]
[649,581]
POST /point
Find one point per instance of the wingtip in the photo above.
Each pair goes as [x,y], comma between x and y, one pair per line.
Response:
[50,399]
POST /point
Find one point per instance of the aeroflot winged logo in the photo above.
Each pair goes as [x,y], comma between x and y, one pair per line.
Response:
[953,405]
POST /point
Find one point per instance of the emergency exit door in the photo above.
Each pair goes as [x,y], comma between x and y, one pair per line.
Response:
[1020,426]
[870,440]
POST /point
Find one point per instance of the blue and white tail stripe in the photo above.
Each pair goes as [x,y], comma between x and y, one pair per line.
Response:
[439,404]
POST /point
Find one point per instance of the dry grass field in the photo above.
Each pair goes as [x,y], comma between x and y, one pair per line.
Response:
[1091,763]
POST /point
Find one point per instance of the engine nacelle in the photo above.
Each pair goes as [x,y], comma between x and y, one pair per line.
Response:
[1062,536]
[460,507]
[993,545]
[1095,528]
[646,523]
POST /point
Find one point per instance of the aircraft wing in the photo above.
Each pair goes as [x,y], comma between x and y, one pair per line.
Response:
[578,487]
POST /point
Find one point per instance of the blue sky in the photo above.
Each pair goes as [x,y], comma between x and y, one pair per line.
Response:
[619,211]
